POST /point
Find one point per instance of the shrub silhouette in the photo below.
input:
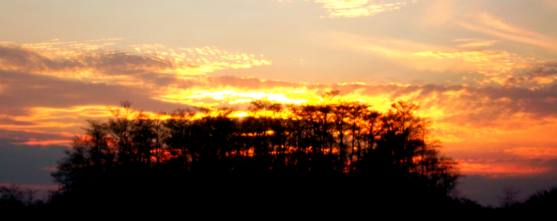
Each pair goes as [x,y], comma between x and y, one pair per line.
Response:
[316,153]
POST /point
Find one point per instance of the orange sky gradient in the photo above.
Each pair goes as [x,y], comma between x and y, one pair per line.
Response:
[484,73]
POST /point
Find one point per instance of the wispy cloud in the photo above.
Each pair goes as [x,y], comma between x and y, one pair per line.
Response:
[494,26]
[474,43]
[467,56]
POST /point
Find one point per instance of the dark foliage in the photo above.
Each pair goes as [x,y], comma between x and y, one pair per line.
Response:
[325,154]
[545,200]
[15,197]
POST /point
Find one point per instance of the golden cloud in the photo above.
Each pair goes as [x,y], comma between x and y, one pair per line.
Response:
[103,62]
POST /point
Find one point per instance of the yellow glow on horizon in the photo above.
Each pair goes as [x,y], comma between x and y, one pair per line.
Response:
[360,8]
[212,97]
[239,114]
[449,132]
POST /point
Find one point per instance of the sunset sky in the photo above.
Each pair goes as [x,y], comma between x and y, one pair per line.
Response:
[484,72]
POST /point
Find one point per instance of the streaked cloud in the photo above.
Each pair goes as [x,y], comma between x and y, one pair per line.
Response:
[47,143]
[542,153]
[467,56]
[474,43]
[494,26]
[500,169]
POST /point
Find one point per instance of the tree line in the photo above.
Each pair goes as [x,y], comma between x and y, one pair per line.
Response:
[347,141]
[315,140]
[326,153]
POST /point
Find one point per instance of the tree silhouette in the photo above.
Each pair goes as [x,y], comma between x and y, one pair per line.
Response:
[341,157]
[372,153]
[542,200]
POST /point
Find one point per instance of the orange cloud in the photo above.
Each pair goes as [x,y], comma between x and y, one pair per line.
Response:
[46,143]
[544,153]
[499,169]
